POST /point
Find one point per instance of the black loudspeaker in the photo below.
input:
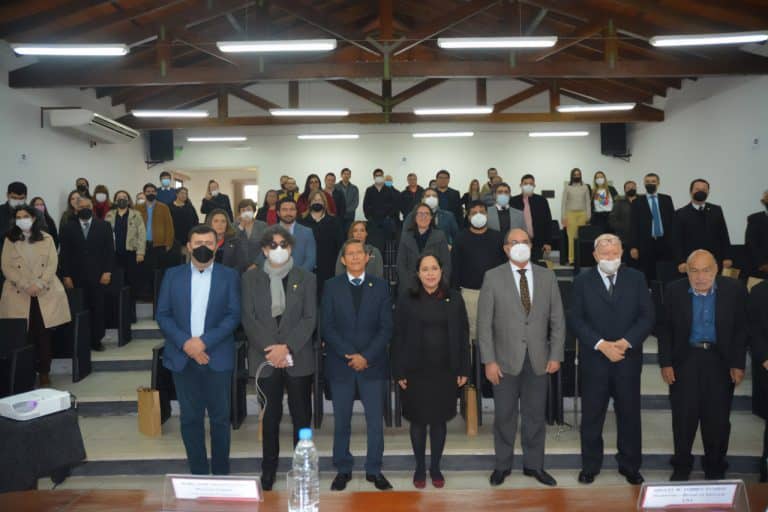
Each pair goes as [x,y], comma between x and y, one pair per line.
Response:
[613,139]
[160,145]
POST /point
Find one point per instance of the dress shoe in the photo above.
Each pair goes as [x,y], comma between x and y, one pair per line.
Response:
[680,476]
[267,480]
[420,479]
[379,481]
[542,476]
[498,476]
[45,380]
[633,477]
[340,482]
[586,477]
[98,347]
[438,480]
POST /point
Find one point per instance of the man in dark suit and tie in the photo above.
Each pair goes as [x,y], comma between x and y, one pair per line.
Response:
[87,260]
[757,305]
[449,198]
[198,311]
[611,315]
[537,217]
[756,240]
[701,225]
[702,353]
[356,325]
[653,228]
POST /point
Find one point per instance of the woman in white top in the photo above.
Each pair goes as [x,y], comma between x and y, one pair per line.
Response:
[603,198]
[576,208]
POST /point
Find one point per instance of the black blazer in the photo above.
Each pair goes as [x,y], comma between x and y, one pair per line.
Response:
[730,323]
[408,200]
[406,343]
[219,201]
[451,201]
[595,315]
[340,202]
[714,237]
[642,222]
[756,242]
[541,216]
[757,305]
[86,260]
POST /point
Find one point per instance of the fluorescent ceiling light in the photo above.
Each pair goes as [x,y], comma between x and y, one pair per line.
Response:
[710,39]
[598,107]
[169,113]
[217,139]
[437,135]
[496,42]
[297,45]
[74,50]
[438,111]
[329,136]
[316,112]
[559,134]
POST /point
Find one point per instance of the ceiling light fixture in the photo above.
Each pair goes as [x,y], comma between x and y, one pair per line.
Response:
[236,138]
[71,50]
[559,134]
[447,111]
[710,39]
[329,136]
[297,45]
[438,135]
[496,42]
[597,107]
[169,113]
[313,112]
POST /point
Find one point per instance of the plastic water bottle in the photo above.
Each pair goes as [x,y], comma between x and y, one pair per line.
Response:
[305,496]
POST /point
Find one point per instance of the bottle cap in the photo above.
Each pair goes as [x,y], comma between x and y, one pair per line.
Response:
[305,434]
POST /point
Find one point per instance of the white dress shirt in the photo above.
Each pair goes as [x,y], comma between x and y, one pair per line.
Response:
[201,289]
[528,277]
[350,277]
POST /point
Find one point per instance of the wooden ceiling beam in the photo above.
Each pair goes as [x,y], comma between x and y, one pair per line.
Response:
[176,98]
[521,96]
[62,75]
[721,12]
[578,35]
[358,90]
[9,29]
[251,98]
[417,89]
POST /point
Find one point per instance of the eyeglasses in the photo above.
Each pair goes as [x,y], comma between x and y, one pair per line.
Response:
[275,245]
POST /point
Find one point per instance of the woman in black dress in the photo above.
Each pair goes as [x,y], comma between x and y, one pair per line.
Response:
[184,217]
[328,236]
[430,361]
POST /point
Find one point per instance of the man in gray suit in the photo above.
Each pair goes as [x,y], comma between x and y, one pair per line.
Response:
[351,198]
[502,217]
[521,332]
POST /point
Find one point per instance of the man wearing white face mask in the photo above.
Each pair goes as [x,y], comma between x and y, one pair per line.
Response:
[476,250]
[537,216]
[502,217]
[250,232]
[445,221]
[521,332]
[611,315]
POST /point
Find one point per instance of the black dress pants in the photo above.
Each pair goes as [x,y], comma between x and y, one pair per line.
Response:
[94,295]
[299,403]
[702,395]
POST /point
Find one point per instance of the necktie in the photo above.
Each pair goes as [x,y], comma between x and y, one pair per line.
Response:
[611,281]
[86,228]
[657,230]
[527,216]
[357,281]
[525,294]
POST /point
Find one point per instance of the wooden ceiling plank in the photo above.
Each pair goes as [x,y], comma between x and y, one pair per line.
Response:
[519,97]
[417,89]
[253,99]
[10,28]
[358,90]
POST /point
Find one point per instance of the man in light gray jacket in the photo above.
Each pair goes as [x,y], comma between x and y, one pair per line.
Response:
[351,198]
[521,333]
[501,216]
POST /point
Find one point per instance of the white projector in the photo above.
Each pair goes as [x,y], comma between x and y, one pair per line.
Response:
[33,404]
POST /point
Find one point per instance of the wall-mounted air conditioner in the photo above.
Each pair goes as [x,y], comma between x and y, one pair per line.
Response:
[92,126]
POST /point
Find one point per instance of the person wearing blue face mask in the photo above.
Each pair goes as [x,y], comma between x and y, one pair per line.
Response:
[502,217]
[166,193]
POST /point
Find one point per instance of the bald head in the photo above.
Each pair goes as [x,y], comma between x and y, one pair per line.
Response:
[702,270]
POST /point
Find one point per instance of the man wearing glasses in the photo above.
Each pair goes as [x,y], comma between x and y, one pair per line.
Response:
[611,315]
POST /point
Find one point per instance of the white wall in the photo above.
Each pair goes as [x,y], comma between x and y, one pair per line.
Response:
[49,161]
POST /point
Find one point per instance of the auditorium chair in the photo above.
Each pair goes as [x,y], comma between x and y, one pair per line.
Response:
[17,358]
[119,307]
[73,340]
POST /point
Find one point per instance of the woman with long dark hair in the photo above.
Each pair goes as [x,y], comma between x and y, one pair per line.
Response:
[230,250]
[38,203]
[31,289]
[430,361]
[576,209]
[310,187]
[329,238]
[603,200]
[421,236]
[101,202]
[70,213]
[214,199]
[130,237]
[268,211]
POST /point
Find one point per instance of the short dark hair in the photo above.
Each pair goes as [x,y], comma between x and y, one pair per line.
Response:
[503,184]
[348,242]
[628,182]
[114,198]
[442,288]
[17,188]
[87,183]
[442,172]
[346,169]
[244,203]
[652,175]
[411,174]
[269,236]
[477,203]
[697,180]
[330,174]
[377,171]
[527,177]
[15,234]
[149,185]
[201,229]
[286,199]
[165,173]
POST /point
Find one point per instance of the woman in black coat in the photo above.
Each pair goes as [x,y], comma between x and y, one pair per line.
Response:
[184,216]
[430,361]
[214,199]
[328,237]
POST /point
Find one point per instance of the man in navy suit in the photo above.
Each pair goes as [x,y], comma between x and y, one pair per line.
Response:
[305,250]
[198,311]
[356,325]
[611,315]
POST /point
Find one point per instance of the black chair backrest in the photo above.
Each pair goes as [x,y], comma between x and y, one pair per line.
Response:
[13,335]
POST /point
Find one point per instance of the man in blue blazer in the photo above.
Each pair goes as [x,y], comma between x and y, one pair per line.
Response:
[356,325]
[198,311]
[305,250]
[611,315]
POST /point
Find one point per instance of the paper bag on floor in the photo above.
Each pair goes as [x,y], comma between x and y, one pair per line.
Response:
[149,412]
[471,411]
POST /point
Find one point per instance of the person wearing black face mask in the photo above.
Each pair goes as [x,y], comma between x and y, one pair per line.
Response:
[652,232]
[82,186]
[198,326]
[87,260]
[619,221]
[327,229]
[130,237]
[701,225]
[756,240]
[160,238]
